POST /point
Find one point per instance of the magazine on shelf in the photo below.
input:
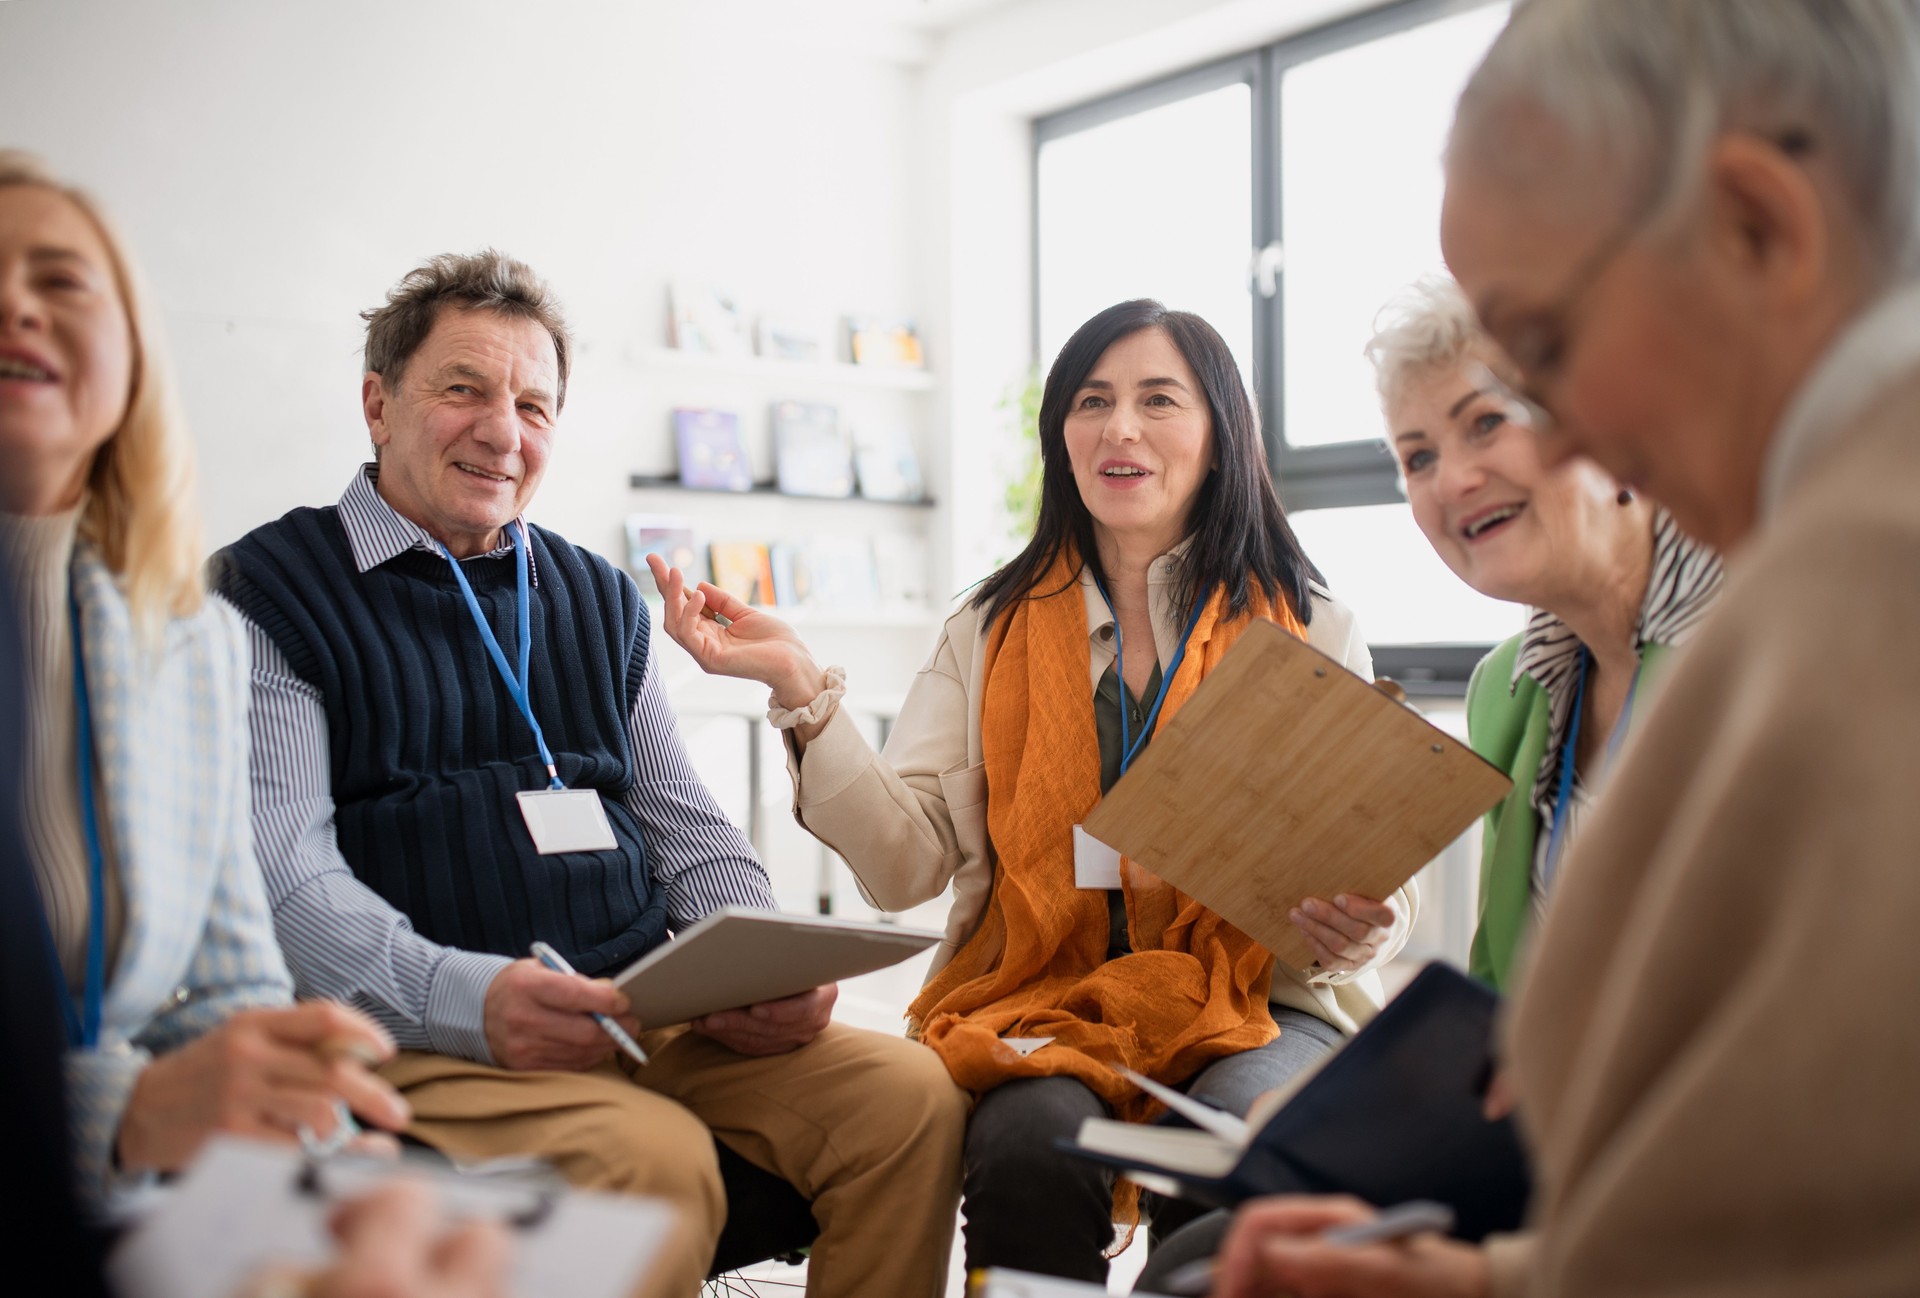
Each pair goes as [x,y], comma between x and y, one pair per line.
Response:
[887,465]
[744,570]
[812,452]
[900,568]
[712,457]
[840,573]
[707,319]
[885,341]
[672,538]
[792,582]
[793,338]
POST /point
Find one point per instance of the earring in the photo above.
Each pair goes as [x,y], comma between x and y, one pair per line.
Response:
[1625,497]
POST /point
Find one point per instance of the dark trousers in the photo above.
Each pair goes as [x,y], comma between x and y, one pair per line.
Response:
[1031,1207]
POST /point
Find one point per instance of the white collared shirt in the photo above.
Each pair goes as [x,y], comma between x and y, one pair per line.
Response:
[1881,344]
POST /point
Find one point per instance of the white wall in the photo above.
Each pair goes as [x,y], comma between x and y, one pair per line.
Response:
[278,165]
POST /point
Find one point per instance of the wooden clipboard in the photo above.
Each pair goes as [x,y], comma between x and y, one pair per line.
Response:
[1285,777]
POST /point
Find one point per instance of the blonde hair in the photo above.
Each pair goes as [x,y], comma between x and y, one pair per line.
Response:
[1428,326]
[141,510]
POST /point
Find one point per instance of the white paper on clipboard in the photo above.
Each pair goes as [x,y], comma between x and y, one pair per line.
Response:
[245,1206]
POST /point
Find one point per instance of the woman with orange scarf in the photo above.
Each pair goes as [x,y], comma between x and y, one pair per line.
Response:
[1160,539]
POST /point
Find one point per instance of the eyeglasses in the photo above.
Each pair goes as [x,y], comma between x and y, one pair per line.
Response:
[1538,346]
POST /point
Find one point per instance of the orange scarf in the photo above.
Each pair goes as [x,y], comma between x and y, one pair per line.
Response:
[1195,988]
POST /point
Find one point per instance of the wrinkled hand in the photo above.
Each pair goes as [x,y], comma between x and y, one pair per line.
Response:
[263,1073]
[394,1243]
[751,645]
[772,1027]
[1273,1249]
[1348,932]
[538,1019]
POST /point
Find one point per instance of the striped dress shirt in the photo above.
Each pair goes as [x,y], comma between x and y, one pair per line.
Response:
[346,942]
[1681,586]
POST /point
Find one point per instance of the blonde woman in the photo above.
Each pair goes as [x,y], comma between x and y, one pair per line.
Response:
[135,802]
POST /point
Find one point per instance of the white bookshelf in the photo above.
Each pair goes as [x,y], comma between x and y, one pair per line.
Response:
[771,371]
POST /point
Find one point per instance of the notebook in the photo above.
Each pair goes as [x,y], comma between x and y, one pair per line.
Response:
[1395,1115]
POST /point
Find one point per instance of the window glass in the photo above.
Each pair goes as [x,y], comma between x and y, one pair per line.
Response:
[1361,134]
[1156,204]
[1378,563]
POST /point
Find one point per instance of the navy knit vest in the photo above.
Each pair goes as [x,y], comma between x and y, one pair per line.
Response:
[427,749]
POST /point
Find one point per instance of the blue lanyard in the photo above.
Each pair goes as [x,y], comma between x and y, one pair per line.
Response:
[83,1024]
[516,685]
[1129,748]
[1556,838]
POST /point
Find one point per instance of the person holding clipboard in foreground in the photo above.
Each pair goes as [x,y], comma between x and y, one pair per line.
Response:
[1160,538]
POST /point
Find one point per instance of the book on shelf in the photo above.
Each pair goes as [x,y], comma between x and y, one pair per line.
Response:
[792,582]
[712,456]
[813,455]
[707,319]
[840,573]
[793,338]
[900,571]
[744,570]
[672,538]
[885,341]
[886,464]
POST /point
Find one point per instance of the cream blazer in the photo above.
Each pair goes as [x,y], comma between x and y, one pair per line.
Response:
[913,821]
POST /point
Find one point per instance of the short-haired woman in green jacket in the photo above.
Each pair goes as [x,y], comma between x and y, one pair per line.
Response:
[1611,586]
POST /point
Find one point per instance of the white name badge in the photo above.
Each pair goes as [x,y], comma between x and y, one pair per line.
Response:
[566,820]
[1095,865]
[1024,1046]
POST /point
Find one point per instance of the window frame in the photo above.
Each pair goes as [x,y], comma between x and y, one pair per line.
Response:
[1333,476]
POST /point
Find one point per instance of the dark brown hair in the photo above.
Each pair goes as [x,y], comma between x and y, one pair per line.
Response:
[1240,535]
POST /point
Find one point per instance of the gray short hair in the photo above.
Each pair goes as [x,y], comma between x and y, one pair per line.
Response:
[1429,326]
[487,281]
[1652,82]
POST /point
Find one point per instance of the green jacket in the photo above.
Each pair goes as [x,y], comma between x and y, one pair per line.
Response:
[1509,729]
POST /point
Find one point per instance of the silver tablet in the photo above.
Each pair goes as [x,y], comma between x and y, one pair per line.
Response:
[737,956]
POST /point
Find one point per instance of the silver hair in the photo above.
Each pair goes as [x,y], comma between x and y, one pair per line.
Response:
[1429,326]
[1649,84]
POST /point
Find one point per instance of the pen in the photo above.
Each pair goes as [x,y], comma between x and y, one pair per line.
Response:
[1414,1217]
[553,960]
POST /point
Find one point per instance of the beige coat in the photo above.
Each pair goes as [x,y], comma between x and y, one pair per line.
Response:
[913,822]
[1717,1046]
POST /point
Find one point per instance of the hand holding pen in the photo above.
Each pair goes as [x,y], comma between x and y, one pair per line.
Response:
[1321,1247]
[553,960]
[542,1016]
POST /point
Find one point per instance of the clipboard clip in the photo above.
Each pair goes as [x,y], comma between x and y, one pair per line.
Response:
[529,1197]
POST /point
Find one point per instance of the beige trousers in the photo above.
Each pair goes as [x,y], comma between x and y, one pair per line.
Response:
[868,1127]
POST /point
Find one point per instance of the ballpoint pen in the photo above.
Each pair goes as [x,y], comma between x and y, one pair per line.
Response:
[1414,1217]
[553,960]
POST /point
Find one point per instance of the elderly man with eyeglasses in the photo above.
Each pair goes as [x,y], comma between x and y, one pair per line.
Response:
[1695,227]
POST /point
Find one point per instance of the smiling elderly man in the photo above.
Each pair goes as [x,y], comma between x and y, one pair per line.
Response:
[1695,227]
[422,659]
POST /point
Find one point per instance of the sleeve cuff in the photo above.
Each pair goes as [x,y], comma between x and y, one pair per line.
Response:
[100,1083]
[1396,941]
[834,759]
[1509,1259]
[457,1004]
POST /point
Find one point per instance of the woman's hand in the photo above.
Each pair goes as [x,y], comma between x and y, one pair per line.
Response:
[1273,1248]
[1348,932]
[395,1243]
[751,645]
[262,1073]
